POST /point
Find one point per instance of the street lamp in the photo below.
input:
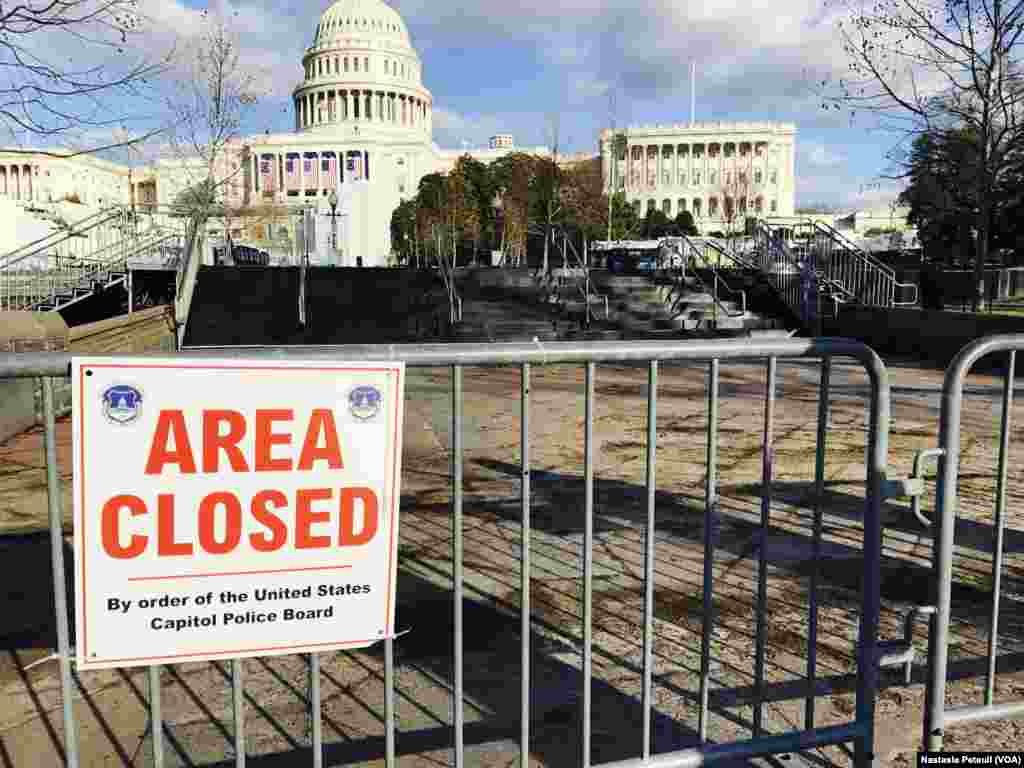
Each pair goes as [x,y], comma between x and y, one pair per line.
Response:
[332,200]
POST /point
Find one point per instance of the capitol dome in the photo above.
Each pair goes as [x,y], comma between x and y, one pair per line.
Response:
[362,76]
[372,18]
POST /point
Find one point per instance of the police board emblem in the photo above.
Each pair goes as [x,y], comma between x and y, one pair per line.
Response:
[364,402]
[122,404]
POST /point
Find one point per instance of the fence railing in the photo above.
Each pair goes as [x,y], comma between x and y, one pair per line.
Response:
[937,717]
[858,729]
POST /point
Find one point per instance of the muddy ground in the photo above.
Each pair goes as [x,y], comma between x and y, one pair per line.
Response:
[197,706]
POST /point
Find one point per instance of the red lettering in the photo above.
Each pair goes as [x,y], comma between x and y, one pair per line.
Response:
[263,542]
[214,441]
[170,424]
[166,545]
[305,517]
[266,439]
[233,522]
[111,530]
[321,420]
[347,536]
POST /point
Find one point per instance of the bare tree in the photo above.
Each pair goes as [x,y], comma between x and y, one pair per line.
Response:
[213,94]
[70,67]
[939,67]
[735,191]
[549,184]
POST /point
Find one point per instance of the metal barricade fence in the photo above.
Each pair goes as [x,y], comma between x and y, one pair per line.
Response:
[859,730]
[936,716]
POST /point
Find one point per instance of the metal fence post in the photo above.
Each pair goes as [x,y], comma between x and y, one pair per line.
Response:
[60,595]
[649,546]
[710,531]
[524,565]
[1000,523]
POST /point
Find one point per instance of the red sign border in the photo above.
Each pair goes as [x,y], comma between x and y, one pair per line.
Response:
[396,386]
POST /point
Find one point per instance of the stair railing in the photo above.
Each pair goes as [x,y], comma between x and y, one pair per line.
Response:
[582,285]
[691,258]
[73,274]
[872,282]
[21,279]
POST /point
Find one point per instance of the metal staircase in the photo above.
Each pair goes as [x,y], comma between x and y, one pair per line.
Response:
[812,261]
[77,260]
[572,286]
[730,302]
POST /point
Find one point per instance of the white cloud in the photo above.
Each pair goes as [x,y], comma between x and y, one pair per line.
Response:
[818,155]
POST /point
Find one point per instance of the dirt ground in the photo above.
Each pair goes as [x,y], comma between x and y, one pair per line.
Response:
[197,707]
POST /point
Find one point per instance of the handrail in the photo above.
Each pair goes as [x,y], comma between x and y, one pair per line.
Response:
[681,282]
[585,286]
[60,235]
[32,289]
[838,236]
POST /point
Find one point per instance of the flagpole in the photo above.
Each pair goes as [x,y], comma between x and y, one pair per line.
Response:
[693,91]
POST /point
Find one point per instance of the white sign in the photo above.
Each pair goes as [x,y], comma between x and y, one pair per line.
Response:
[230,508]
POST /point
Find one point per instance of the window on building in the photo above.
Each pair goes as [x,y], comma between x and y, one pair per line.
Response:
[636,207]
[666,207]
[696,178]
[681,205]
[713,206]
[758,176]
[355,63]
[774,206]
[774,177]
[651,205]
[667,178]
[366,64]
[758,205]
[696,206]
[728,177]
[682,179]
[346,63]
[713,177]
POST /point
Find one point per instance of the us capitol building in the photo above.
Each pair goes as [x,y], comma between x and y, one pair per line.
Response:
[363,130]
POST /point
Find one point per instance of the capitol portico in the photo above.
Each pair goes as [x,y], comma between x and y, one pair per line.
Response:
[704,168]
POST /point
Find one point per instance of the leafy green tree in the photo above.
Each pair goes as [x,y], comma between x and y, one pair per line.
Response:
[625,222]
[941,170]
[685,224]
[656,224]
[403,231]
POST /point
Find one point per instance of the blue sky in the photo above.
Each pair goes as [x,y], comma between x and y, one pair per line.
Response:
[509,66]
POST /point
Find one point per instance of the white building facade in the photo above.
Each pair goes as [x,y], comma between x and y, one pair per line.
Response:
[33,176]
[707,169]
